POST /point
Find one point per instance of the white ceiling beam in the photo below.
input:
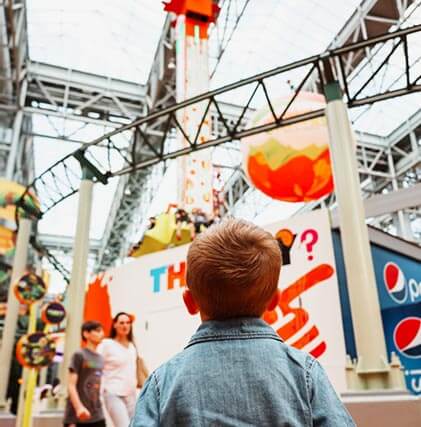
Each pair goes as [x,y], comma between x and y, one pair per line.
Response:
[383,204]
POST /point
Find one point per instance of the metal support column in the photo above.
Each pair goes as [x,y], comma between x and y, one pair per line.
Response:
[9,331]
[372,368]
[16,135]
[76,291]
[402,220]
[413,141]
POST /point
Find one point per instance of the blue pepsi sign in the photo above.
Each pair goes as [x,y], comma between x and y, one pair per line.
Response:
[398,279]
[395,283]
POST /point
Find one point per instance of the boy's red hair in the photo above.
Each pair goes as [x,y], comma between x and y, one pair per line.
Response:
[233,269]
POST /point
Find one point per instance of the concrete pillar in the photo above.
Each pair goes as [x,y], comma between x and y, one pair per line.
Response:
[9,331]
[372,367]
[76,291]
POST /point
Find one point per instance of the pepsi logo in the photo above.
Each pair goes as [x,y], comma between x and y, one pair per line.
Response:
[407,337]
[395,282]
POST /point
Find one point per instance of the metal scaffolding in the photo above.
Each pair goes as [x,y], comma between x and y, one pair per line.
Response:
[381,159]
[71,101]
[135,192]
[16,149]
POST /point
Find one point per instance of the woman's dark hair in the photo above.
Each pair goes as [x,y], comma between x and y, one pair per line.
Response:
[113,332]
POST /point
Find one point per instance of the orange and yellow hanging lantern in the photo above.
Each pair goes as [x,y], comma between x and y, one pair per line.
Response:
[291,163]
[10,196]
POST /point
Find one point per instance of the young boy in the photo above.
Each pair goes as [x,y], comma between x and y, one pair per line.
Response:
[83,406]
[236,371]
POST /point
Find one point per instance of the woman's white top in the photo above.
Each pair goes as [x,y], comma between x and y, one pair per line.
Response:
[119,375]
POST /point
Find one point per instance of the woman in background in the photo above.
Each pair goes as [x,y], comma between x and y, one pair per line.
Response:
[120,370]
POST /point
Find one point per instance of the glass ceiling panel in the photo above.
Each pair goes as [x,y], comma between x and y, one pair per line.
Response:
[119,39]
[382,118]
[107,37]
[273,33]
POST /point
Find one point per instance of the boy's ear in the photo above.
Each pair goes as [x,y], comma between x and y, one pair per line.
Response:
[274,301]
[190,303]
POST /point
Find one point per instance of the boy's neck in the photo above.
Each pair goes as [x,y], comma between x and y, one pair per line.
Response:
[91,346]
[204,317]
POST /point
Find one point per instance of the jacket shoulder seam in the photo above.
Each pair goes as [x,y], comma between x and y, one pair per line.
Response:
[233,337]
[310,363]
[158,392]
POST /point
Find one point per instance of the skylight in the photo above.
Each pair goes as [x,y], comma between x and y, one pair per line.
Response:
[107,37]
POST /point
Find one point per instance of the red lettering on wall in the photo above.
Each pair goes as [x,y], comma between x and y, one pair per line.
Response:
[319,350]
[306,338]
[300,315]
[179,275]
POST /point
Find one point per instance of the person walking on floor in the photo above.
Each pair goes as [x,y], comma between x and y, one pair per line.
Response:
[121,364]
[83,406]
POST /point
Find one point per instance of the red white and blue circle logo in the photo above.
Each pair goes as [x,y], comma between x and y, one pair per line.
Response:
[395,282]
[407,337]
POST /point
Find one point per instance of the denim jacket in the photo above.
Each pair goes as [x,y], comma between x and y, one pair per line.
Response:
[239,373]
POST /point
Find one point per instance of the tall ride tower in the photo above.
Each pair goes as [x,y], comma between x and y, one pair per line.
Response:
[192,20]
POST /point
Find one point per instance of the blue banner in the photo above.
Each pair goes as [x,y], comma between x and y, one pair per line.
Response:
[398,279]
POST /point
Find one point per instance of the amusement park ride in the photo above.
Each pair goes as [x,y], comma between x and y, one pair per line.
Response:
[294,148]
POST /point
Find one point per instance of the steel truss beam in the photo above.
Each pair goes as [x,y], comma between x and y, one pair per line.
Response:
[230,15]
[60,93]
[72,100]
[397,186]
[384,204]
[370,148]
[16,151]
[160,88]
[396,157]
[14,48]
[145,151]
[371,156]
[161,93]
[77,95]
[64,243]
[134,194]
[47,253]
[57,251]
[55,248]
[371,18]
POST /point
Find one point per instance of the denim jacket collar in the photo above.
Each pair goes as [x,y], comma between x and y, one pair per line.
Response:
[239,328]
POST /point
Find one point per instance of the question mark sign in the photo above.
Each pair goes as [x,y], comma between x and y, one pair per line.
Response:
[310,237]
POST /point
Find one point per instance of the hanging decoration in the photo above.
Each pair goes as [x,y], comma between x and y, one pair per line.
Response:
[53,313]
[10,200]
[35,350]
[291,163]
[30,288]
[11,197]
